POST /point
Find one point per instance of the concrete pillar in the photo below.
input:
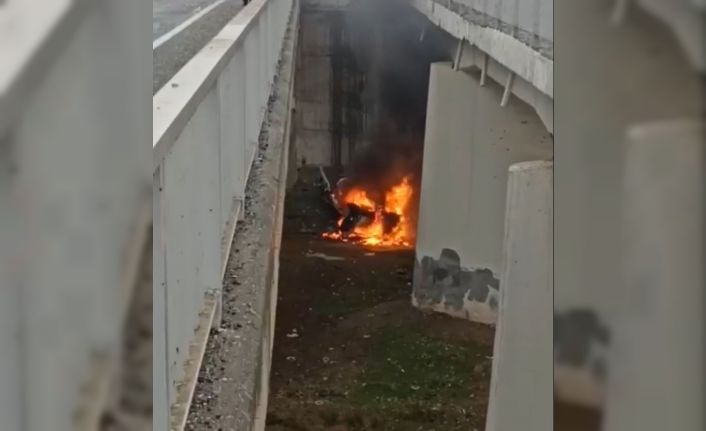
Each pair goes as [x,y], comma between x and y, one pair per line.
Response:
[313,90]
[621,84]
[656,375]
[470,142]
[521,392]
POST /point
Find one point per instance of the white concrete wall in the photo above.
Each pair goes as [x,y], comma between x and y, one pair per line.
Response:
[470,143]
[521,390]
[74,204]
[206,126]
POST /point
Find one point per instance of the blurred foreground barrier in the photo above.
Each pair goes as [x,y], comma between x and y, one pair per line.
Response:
[207,121]
[656,368]
[75,199]
[521,381]
[74,205]
[636,45]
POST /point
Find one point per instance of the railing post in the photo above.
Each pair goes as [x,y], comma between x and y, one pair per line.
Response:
[160,376]
[243,100]
[262,61]
[252,94]
[269,38]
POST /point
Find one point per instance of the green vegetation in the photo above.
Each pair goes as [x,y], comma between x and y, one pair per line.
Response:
[407,367]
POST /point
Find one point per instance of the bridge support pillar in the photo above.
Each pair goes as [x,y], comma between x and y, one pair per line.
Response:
[521,381]
[470,142]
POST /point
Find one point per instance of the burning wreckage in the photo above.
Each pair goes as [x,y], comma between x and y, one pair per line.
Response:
[381,222]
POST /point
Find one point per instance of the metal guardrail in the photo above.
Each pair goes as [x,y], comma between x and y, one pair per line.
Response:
[206,123]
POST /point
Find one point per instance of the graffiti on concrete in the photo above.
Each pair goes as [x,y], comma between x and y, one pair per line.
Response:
[444,285]
[581,340]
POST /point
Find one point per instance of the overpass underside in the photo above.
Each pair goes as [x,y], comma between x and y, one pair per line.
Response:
[382,96]
[414,141]
[451,103]
[384,93]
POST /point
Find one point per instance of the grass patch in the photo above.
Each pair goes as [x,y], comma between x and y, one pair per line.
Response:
[409,368]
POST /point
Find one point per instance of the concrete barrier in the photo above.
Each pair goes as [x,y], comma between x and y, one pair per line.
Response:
[655,372]
[521,391]
[75,202]
[206,124]
[589,168]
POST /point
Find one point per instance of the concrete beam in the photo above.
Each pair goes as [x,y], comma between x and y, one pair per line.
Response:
[511,52]
[686,20]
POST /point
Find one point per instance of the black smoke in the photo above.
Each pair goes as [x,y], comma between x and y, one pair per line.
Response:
[394,46]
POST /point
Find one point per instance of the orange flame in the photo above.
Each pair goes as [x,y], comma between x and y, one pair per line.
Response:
[397,201]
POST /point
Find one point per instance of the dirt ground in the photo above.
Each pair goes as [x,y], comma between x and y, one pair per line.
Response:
[569,417]
[351,353]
